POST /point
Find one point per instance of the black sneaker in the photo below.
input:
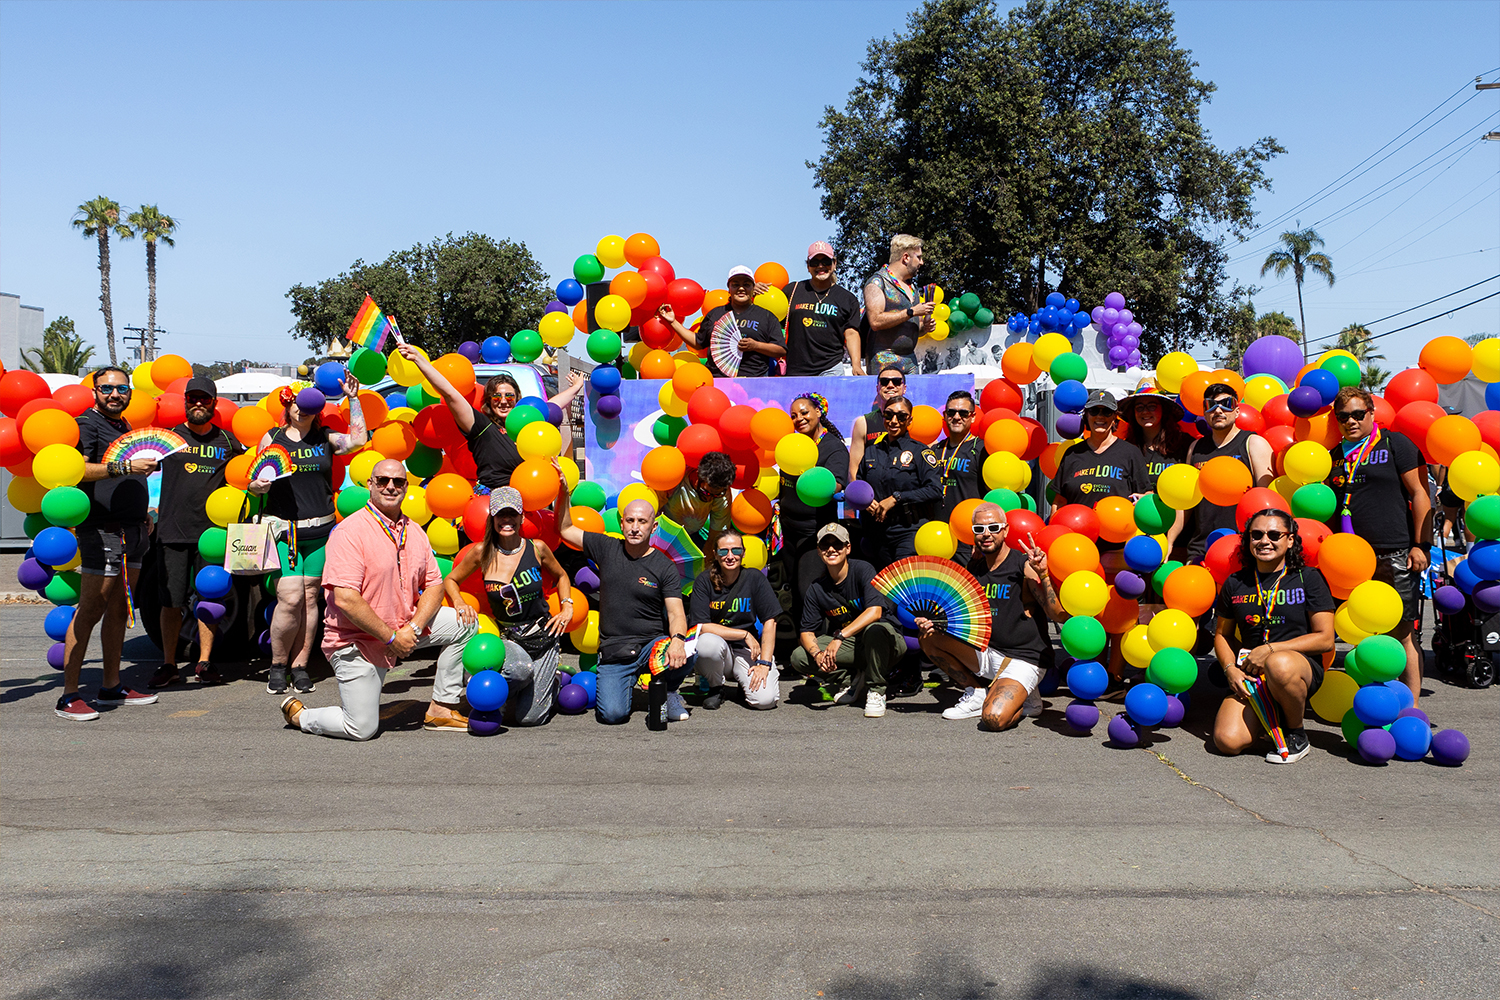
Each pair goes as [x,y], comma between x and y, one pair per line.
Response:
[714,698]
[1297,747]
[276,680]
[165,676]
[206,674]
[301,681]
[905,684]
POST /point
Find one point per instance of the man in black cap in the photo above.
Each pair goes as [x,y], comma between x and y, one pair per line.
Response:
[1221,410]
[187,478]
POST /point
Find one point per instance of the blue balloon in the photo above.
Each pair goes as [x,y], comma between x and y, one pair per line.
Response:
[1070,396]
[487,691]
[1033,326]
[57,622]
[1146,704]
[395,399]
[1325,382]
[1055,299]
[1072,305]
[1484,559]
[212,582]
[1087,679]
[495,350]
[54,546]
[569,292]
[1402,693]
[1218,533]
[1492,396]
[1081,321]
[536,401]
[1413,738]
[589,681]
[329,378]
[1143,553]
[905,617]
[1376,705]
[605,380]
[1465,577]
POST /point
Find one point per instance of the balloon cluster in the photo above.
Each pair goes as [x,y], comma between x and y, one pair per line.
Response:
[1065,316]
[964,313]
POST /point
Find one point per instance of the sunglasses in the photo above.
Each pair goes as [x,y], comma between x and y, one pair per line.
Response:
[504,397]
[208,400]
[1099,411]
[737,550]
[993,528]
[1352,415]
[1220,404]
[820,262]
[383,481]
[834,546]
[952,412]
[110,390]
[899,416]
[1273,535]
[893,381]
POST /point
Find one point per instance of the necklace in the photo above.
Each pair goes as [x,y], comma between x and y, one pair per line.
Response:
[510,552]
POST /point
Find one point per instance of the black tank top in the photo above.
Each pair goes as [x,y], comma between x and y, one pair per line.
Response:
[1212,517]
[519,601]
[874,426]
[308,492]
[1013,632]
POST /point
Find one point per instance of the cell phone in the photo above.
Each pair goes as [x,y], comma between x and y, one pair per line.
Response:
[1241,657]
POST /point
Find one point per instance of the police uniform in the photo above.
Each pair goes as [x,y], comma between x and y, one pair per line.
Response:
[907,470]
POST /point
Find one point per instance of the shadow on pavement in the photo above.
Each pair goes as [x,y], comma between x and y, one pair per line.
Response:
[949,979]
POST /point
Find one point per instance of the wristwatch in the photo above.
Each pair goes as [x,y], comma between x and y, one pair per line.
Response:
[764,663]
[679,635]
[910,312]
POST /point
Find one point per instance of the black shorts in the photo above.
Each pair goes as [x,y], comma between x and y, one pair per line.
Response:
[1316,662]
[179,569]
[103,549]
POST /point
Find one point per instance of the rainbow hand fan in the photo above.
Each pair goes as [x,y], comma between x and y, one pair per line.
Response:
[657,662]
[724,344]
[939,589]
[273,463]
[148,442]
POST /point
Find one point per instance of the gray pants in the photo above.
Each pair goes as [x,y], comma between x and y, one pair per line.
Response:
[533,685]
[357,716]
[718,659]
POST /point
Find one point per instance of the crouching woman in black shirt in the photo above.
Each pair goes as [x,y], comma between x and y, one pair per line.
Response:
[1275,623]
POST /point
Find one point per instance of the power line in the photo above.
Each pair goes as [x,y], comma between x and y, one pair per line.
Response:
[1403,312]
[1458,215]
[1440,315]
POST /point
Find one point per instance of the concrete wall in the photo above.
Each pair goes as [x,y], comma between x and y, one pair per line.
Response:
[20,329]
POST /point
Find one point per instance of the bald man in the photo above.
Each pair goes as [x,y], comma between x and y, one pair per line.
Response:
[1002,679]
[640,602]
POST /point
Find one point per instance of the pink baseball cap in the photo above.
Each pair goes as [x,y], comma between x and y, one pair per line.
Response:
[821,247]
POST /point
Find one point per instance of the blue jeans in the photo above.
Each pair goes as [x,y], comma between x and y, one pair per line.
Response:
[617,680]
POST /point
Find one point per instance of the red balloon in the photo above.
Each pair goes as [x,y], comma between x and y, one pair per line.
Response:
[541,525]
[640,314]
[1050,534]
[1277,412]
[434,424]
[657,335]
[33,406]
[1025,525]
[697,440]
[12,448]
[685,297]
[1488,422]
[1249,419]
[1190,428]
[1223,558]
[656,291]
[171,410]
[659,266]
[706,406]
[1312,534]
[734,428]
[1077,517]
[1413,419]
[224,411]
[1411,386]
[1037,440]
[1280,438]
[74,398]
[460,461]
[476,517]
[1255,500]
[178,385]
[19,387]
[1001,392]
[1385,413]
[746,468]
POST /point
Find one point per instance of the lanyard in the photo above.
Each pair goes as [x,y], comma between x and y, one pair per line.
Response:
[1352,462]
[910,290]
[1268,601]
[948,472]
[397,537]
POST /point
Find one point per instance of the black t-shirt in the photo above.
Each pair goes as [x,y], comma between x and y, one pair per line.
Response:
[1378,505]
[495,454]
[962,469]
[745,604]
[756,324]
[1300,595]
[1210,517]
[187,478]
[815,325]
[1086,477]
[632,597]
[1013,632]
[830,606]
[122,499]
[308,492]
[833,455]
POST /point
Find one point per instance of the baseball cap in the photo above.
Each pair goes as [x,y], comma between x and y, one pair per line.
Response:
[1100,397]
[735,272]
[1221,389]
[821,247]
[201,384]
[505,498]
[833,531]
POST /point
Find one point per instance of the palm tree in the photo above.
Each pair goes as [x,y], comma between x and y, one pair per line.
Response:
[1355,338]
[150,224]
[97,218]
[1297,255]
[62,350]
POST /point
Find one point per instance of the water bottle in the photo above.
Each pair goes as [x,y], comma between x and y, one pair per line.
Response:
[656,703]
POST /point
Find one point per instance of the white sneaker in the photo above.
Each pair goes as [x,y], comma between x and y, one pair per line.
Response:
[970,706]
[1032,706]
[874,705]
[676,708]
[846,696]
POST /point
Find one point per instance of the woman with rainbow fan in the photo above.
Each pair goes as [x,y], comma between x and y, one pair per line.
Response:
[303,498]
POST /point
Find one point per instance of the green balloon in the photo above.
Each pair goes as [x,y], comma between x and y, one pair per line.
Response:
[62,588]
[968,302]
[1173,670]
[1069,366]
[1159,578]
[627,370]
[1381,658]
[526,346]
[1083,638]
[519,417]
[445,564]
[351,499]
[67,506]
[959,320]
[1152,515]
[589,662]
[588,494]
[604,345]
[666,428]
[366,365]
[983,317]
[1482,516]
[1346,370]
[1351,667]
[484,652]
[1352,727]
[35,523]
[270,582]
[1315,500]
[212,543]
[587,269]
[1007,499]
[1029,501]
[816,486]
[424,462]
[418,397]
[612,520]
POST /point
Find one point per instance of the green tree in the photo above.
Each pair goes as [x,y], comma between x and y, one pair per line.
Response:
[1299,256]
[1057,149]
[1355,338]
[442,293]
[97,218]
[1276,324]
[150,224]
[62,351]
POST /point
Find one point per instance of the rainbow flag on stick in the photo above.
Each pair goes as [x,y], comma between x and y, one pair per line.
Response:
[370,327]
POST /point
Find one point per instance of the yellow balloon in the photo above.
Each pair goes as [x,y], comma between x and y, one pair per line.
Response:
[1137,646]
[1344,625]
[941,312]
[938,294]
[769,482]
[223,505]
[1285,486]
[1473,475]
[755,553]
[1178,486]
[1335,697]
[796,453]
[638,352]
[1172,629]
[639,491]
[773,300]
[935,538]
[1308,462]
[443,536]
[1374,607]
[586,636]
[1047,349]
[671,404]
[405,414]
[361,465]
[415,505]
[25,494]
[940,330]
[612,312]
[1173,368]
[556,329]
[570,471]
[611,251]
[404,372]
[487,625]
[1084,593]
[58,465]
[141,379]
[1261,389]
[686,357]
[539,439]
[1486,360]
[71,564]
[1004,470]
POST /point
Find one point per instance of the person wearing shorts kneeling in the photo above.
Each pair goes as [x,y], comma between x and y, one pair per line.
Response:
[1001,679]
[1275,624]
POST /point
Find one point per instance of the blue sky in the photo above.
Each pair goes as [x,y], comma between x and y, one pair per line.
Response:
[291,139]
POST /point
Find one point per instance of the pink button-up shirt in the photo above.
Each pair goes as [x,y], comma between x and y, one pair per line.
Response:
[362,557]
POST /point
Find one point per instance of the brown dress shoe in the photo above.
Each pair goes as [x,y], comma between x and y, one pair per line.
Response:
[446,723]
[291,711]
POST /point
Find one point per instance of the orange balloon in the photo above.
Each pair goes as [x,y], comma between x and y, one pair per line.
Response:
[588,519]
[394,439]
[250,424]
[168,368]
[140,411]
[961,521]
[1346,560]
[1190,589]
[926,424]
[372,404]
[1320,428]
[1229,378]
[1224,479]
[580,600]
[641,247]
[1116,519]
[714,299]
[237,470]
[751,511]
[448,494]
[537,482]
[657,364]
[689,378]
[457,369]
[1446,359]
[50,426]
[1050,456]
[1192,391]
[581,316]
[1072,552]
[662,468]
[1019,364]
[1007,435]
[630,286]
[773,274]
[1447,438]
[768,427]
[1121,614]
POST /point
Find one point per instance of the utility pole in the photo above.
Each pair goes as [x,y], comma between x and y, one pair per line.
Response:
[144,341]
[1487,86]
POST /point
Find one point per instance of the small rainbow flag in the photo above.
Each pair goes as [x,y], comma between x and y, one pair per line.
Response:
[370,327]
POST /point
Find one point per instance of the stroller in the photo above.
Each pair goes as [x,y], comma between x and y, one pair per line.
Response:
[1464,643]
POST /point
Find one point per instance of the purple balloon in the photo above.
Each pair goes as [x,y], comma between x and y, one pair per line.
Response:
[1082,716]
[586,580]
[554,414]
[470,350]
[859,493]
[311,400]
[1279,356]
[1304,401]
[33,575]
[1097,315]
[564,679]
[1134,329]
[57,653]
[1122,732]
[1450,747]
[1175,711]
[209,611]
[1449,599]
[1111,315]
[1069,425]
[913,644]
[608,406]
[1126,316]
[1114,300]
[572,699]
[1134,361]
[1376,745]
[484,723]
[263,643]
[1129,584]
[1487,597]
[555,307]
[1118,355]
[1131,341]
[1414,713]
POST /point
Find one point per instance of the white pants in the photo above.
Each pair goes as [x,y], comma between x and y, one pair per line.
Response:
[357,716]
[718,659]
[992,663]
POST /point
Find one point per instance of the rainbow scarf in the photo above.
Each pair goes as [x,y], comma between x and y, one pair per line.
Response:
[370,327]
[1352,462]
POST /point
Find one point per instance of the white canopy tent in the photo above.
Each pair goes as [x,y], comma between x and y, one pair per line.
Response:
[250,385]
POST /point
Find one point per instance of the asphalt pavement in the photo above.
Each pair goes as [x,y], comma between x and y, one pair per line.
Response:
[198,848]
